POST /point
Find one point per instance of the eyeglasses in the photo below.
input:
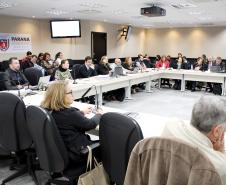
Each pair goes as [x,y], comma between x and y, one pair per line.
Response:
[69,92]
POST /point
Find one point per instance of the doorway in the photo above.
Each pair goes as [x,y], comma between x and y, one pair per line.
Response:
[98,45]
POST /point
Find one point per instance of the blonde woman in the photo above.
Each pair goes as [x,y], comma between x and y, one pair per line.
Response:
[71,122]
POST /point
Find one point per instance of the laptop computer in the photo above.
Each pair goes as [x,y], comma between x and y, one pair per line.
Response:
[118,71]
[215,69]
[43,81]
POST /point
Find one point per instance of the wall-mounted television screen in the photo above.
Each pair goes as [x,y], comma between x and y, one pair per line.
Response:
[65,28]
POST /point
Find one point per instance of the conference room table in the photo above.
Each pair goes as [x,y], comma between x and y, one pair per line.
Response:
[103,83]
[151,125]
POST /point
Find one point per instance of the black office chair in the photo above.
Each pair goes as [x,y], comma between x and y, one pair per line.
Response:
[4,65]
[75,71]
[14,135]
[33,74]
[3,79]
[50,148]
[118,135]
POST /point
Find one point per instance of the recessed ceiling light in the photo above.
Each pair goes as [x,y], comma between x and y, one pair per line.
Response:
[195,13]
[120,12]
[33,16]
[92,5]
[89,11]
[4,4]
[137,17]
[56,12]
[205,18]
[148,25]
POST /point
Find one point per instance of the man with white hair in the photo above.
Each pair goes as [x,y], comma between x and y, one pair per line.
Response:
[205,131]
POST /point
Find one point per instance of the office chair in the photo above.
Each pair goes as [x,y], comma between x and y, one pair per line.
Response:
[157,161]
[33,74]
[50,148]
[118,135]
[75,71]
[5,65]
[3,79]
[14,135]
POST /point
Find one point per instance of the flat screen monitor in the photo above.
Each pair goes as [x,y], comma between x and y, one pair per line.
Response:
[65,28]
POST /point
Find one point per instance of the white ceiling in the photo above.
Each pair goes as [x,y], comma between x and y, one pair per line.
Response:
[194,13]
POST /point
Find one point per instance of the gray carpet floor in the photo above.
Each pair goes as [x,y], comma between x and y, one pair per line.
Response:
[163,102]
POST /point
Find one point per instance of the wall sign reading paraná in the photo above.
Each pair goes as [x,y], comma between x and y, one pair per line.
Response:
[15,43]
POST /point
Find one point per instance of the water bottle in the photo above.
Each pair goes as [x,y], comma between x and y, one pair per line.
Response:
[192,68]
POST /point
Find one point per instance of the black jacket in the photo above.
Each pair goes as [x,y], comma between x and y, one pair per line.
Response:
[85,73]
[14,78]
[72,125]
[103,69]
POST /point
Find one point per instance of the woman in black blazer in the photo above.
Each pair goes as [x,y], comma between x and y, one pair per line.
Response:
[103,68]
[71,122]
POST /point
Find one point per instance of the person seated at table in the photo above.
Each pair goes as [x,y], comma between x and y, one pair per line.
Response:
[179,65]
[118,63]
[16,79]
[103,68]
[40,58]
[198,67]
[128,64]
[26,62]
[58,58]
[63,73]
[119,94]
[47,64]
[205,62]
[34,60]
[71,122]
[205,131]
[216,88]
[87,69]
[163,64]
[147,61]
[139,62]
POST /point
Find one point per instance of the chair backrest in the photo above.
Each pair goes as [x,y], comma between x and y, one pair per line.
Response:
[14,135]
[118,135]
[5,65]
[49,146]
[157,161]
[33,74]
[3,79]
[75,71]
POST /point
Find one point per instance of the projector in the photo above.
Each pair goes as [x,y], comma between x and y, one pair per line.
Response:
[153,11]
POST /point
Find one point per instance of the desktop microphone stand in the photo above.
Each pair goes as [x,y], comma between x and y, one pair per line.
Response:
[97,106]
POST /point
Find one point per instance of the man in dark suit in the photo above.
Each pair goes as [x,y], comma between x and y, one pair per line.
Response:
[16,79]
[87,69]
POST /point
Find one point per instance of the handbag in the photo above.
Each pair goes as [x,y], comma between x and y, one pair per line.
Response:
[96,176]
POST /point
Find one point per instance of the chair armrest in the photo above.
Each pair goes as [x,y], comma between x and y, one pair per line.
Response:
[92,146]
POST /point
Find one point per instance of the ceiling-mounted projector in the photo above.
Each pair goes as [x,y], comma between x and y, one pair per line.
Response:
[153,11]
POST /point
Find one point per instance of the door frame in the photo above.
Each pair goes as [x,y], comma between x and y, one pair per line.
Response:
[92,42]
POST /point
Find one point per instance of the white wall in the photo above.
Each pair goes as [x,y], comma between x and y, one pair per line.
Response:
[192,42]
[75,48]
